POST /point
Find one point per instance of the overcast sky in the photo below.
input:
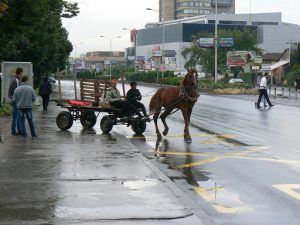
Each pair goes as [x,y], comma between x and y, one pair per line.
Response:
[109,17]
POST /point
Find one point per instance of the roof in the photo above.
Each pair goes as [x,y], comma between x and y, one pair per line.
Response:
[272,56]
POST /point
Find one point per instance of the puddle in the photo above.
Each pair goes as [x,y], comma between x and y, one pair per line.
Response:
[140,184]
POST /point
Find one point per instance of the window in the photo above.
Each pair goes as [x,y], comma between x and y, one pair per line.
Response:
[207,4]
[264,23]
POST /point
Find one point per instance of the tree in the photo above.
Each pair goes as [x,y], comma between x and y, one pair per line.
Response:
[32,31]
[243,40]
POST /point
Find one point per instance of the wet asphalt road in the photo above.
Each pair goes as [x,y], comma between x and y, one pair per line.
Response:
[243,166]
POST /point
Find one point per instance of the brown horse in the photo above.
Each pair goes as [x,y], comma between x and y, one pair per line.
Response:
[182,97]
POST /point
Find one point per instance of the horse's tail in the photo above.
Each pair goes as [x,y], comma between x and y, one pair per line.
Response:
[153,107]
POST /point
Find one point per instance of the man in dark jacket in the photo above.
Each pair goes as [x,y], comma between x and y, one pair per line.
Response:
[134,96]
[44,92]
[15,125]
[23,97]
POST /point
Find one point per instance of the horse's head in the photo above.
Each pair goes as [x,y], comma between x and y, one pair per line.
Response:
[191,79]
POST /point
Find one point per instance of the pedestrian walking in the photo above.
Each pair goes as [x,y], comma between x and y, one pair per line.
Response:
[23,97]
[44,92]
[134,96]
[15,82]
[263,91]
[297,83]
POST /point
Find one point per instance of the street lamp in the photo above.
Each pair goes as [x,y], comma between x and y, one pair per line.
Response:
[216,42]
[75,74]
[163,36]
[110,40]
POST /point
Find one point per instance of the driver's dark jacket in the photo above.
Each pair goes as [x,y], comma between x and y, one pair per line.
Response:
[133,95]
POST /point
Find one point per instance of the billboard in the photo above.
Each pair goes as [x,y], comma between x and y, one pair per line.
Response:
[206,42]
[8,72]
[226,42]
[239,58]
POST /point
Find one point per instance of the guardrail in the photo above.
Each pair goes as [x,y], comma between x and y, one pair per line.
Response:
[283,93]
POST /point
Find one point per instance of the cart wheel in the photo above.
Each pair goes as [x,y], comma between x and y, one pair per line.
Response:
[138,126]
[88,119]
[106,124]
[64,120]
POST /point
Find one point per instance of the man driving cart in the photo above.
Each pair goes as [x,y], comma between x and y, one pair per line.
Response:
[114,98]
[134,97]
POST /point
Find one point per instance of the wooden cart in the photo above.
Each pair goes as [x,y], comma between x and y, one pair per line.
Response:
[91,104]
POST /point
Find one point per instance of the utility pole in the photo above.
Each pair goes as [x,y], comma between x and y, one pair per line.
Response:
[216,42]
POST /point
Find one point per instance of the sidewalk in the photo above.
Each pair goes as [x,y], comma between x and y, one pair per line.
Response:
[82,176]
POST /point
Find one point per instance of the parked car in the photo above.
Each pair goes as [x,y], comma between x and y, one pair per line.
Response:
[236,80]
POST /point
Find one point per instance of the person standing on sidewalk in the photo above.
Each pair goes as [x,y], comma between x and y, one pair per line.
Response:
[297,83]
[44,92]
[263,91]
[23,97]
[15,125]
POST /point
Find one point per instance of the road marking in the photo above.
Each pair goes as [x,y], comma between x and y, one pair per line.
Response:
[283,161]
[181,153]
[204,193]
[217,158]
[292,190]
[194,135]
[219,138]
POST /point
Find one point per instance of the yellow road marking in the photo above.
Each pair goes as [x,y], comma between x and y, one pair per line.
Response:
[291,189]
[219,138]
[182,153]
[204,193]
[195,135]
[224,209]
[292,162]
[205,161]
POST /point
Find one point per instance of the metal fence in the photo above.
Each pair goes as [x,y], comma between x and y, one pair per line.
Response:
[284,93]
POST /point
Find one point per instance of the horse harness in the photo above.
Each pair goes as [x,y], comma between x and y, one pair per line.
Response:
[184,93]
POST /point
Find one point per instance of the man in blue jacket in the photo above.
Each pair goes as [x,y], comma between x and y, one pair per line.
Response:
[23,97]
[15,82]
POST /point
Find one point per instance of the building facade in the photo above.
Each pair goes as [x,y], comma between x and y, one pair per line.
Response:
[174,36]
[179,9]
[101,59]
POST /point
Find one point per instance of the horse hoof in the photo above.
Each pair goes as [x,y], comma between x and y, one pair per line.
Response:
[159,137]
[188,140]
[165,132]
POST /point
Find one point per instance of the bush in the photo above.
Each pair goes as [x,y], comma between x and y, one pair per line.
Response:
[5,110]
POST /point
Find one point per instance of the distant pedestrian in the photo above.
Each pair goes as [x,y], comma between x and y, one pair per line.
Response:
[298,83]
[134,97]
[45,91]
[263,91]
[23,97]
[15,82]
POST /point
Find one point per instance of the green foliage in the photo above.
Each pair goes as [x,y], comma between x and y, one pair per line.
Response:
[32,31]
[150,76]
[243,40]
[209,84]
[248,78]
[292,76]
[5,110]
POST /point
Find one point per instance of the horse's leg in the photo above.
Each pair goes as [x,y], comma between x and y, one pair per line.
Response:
[155,117]
[186,112]
[163,119]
